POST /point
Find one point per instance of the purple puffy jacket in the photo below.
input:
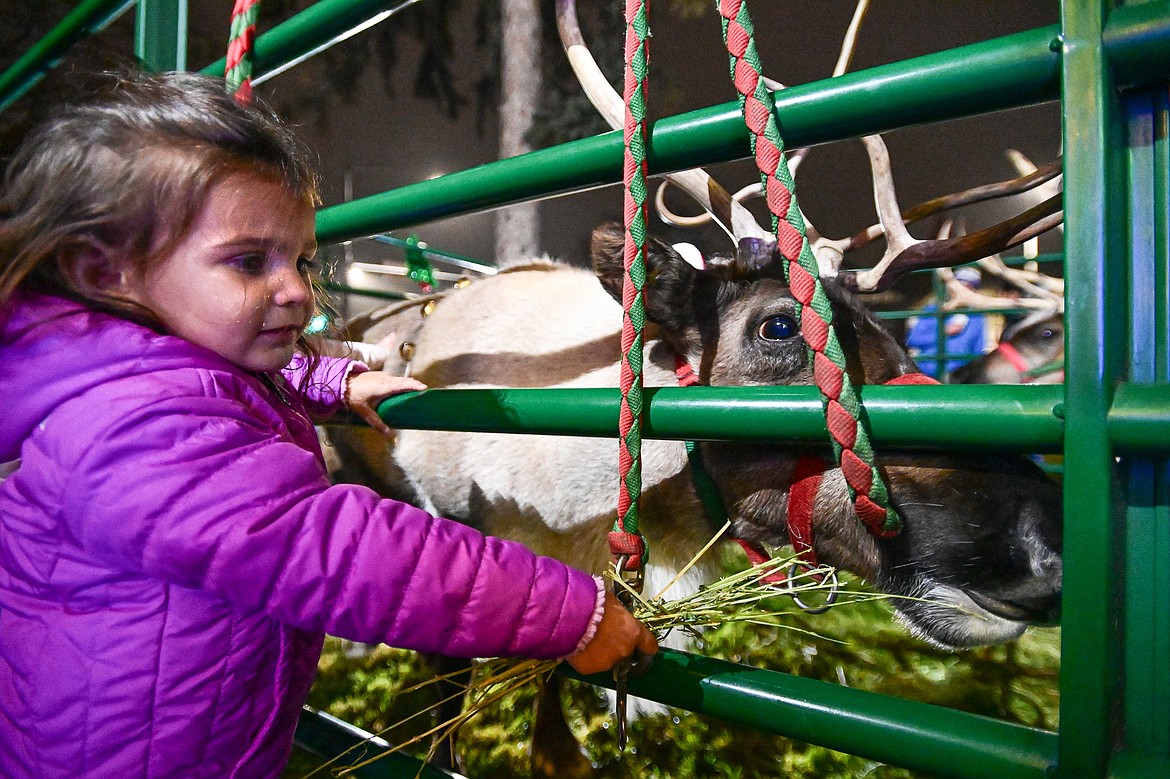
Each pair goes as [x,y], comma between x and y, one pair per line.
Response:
[171,553]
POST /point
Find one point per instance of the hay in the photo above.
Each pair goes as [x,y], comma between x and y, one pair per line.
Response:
[743,596]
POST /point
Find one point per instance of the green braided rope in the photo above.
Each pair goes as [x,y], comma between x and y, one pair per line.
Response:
[633,303]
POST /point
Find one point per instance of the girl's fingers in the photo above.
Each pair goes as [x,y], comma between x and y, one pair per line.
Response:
[372,419]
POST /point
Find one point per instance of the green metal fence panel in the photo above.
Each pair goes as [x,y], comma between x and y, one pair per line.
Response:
[1095,263]
[1104,415]
[1111,419]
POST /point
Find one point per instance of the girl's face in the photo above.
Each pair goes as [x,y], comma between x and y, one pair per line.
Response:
[238,283]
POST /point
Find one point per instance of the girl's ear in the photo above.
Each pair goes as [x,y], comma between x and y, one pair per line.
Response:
[90,269]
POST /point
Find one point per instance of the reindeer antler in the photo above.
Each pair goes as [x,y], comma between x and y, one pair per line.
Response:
[961,249]
[1047,294]
[1045,291]
[730,214]
[903,252]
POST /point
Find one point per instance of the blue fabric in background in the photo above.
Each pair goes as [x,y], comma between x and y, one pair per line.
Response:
[921,338]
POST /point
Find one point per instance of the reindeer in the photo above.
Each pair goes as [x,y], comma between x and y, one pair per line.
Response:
[1031,352]
[978,560]
[552,325]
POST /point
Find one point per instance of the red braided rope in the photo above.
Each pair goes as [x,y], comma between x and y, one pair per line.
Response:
[843,410]
[238,64]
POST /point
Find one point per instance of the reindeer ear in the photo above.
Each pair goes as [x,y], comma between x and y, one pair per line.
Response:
[670,280]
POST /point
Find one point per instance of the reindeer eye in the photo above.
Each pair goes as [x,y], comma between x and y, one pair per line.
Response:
[779,328]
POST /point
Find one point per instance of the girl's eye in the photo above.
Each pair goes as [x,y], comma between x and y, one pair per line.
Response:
[779,328]
[251,264]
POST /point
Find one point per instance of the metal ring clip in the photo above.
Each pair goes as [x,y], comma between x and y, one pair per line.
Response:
[830,599]
[634,578]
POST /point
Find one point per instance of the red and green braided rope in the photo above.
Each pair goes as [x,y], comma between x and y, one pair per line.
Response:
[625,538]
[238,67]
[843,410]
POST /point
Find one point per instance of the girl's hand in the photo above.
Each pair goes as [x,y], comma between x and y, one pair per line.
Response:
[364,391]
[618,637]
[374,355]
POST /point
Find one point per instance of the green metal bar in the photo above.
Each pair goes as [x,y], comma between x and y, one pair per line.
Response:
[919,736]
[1147,528]
[316,25]
[1161,236]
[438,254]
[370,293]
[86,19]
[1019,259]
[1155,740]
[1007,72]
[1025,419]
[1138,417]
[160,38]
[322,734]
[921,357]
[940,330]
[996,418]
[909,312]
[1095,261]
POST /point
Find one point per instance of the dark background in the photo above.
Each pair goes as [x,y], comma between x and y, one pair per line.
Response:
[377,125]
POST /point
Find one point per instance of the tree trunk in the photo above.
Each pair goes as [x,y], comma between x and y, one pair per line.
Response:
[518,227]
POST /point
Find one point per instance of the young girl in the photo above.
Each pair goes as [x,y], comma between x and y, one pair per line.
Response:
[171,550]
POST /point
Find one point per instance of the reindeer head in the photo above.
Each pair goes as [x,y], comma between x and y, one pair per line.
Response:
[979,556]
[1032,352]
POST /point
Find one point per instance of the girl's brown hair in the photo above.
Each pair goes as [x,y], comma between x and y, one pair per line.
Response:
[127,171]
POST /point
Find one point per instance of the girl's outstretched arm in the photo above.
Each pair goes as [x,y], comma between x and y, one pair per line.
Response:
[211,496]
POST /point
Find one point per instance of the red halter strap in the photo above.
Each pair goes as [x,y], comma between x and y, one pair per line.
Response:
[802,498]
[684,372]
[911,378]
[806,481]
[802,494]
[1013,356]
[1017,361]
